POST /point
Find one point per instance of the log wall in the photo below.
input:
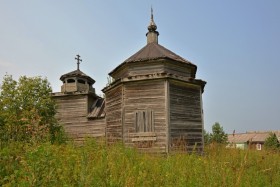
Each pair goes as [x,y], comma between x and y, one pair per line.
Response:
[141,96]
[114,114]
[177,70]
[185,116]
[146,69]
[72,111]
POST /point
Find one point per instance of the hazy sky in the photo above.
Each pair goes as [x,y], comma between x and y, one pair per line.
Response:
[235,44]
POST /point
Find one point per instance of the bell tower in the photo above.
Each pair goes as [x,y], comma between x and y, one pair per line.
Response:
[78,107]
[77,81]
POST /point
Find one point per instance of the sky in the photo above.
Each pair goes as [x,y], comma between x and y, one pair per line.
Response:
[235,45]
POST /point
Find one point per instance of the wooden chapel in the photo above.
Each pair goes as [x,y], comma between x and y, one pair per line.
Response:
[154,102]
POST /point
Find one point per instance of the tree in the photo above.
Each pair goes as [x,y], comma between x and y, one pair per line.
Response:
[206,136]
[27,111]
[272,142]
[218,135]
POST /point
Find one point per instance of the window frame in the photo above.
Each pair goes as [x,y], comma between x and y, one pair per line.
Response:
[259,146]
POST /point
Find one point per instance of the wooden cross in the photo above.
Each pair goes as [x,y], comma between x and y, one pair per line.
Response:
[78,61]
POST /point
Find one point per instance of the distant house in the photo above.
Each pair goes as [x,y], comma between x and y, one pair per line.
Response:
[251,139]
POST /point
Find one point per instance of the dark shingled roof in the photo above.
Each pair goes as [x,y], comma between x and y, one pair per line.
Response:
[77,73]
[153,51]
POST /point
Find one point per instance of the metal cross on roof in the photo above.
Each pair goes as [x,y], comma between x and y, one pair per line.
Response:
[78,61]
[152,15]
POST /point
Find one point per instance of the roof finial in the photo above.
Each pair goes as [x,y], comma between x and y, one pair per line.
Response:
[152,26]
[78,61]
[152,35]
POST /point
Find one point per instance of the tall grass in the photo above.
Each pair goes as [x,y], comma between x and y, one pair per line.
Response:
[96,164]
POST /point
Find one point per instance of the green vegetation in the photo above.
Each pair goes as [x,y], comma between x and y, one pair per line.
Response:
[218,135]
[95,164]
[27,111]
[29,157]
[272,142]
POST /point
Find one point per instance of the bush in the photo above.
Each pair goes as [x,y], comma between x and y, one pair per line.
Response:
[272,142]
[27,111]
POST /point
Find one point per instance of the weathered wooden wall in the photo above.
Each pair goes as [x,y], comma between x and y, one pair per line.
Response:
[151,67]
[114,114]
[142,95]
[122,72]
[72,112]
[177,69]
[185,116]
[71,108]
[146,68]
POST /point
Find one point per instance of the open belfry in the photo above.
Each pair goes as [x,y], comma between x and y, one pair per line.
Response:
[154,101]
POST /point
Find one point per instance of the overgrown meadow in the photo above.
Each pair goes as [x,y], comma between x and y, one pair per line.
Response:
[96,164]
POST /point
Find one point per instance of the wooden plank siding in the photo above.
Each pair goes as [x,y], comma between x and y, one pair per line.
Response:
[145,95]
[71,107]
[146,68]
[114,114]
[185,116]
[72,111]
[84,129]
[177,69]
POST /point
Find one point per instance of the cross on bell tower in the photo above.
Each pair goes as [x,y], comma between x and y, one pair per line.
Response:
[78,61]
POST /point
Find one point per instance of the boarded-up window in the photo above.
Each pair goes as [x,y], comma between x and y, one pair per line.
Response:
[144,121]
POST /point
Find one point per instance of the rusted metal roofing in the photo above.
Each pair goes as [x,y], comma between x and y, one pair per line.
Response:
[153,51]
[77,73]
[97,109]
[249,136]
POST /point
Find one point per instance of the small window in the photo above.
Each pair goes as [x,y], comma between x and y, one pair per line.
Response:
[259,146]
[144,121]
[70,80]
[81,81]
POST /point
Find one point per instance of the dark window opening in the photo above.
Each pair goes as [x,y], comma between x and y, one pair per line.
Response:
[81,81]
[70,80]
